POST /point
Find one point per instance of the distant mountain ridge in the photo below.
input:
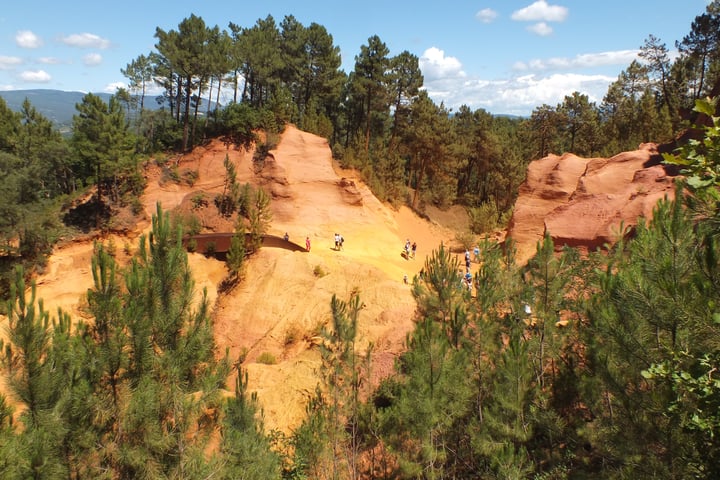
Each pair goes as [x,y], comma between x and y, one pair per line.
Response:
[56,105]
[59,106]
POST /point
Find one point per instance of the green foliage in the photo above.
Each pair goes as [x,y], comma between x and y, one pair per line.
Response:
[319,271]
[244,448]
[198,201]
[236,253]
[653,309]
[136,393]
[259,218]
[239,122]
[700,158]
[227,201]
[483,218]
[267,358]
[104,145]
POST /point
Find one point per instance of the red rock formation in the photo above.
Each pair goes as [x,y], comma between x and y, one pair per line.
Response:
[582,202]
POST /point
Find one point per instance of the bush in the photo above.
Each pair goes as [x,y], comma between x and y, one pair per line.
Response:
[465,240]
[136,206]
[266,358]
[189,177]
[292,335]
[198,201]
[483,218]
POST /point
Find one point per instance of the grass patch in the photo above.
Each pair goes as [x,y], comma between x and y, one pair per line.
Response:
[267,358]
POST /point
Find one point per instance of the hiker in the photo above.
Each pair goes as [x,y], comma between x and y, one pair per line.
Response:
[476,252]
[407,249]
[414,248]
[342,240]
[405,279]
[307,243]
[468,280]
[286,237]
[337,241]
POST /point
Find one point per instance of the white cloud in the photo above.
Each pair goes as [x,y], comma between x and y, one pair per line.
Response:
[50,60]
[435,65]
[6,88]
[6,63]
[518,95]
[35,76]
[486,15]
[532,91]
[86,40]
[584,60]
[540,11]
[112,87]
[540,28]
[92,59]
[27,39]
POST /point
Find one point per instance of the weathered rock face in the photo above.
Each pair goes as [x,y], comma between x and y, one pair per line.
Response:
[584,202]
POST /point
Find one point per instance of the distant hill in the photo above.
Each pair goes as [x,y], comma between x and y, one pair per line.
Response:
[58,105]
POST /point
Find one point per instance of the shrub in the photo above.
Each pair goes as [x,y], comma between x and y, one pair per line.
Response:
[465,240]
[292,335]
[198,201]
[136,206]
[266,358]
[483,218]
[189,177]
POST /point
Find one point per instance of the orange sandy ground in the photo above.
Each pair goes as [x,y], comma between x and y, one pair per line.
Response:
[282,303]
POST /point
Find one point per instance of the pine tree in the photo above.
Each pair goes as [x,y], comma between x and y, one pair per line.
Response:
[173,373]
[652,309]
[245,449]
[36,383]
[259,216]
[236,253]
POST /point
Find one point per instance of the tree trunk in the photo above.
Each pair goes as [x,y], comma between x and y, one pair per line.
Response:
[186,120]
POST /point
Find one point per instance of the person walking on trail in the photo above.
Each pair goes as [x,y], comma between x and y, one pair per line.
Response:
[476,252]
[407,249]
[467,259]
[342,240]
[286,237]
[307,243]
[337,242]
[414,249]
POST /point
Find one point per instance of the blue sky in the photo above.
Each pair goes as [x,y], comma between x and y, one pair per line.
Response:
[506,56]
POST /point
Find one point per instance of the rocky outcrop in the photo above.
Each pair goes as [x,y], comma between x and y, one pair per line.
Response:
[586,202]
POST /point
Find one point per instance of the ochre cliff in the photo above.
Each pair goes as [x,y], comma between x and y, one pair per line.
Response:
[586,202]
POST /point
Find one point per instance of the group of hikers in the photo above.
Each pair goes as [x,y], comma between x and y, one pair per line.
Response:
[339,240]
[410,249]
[286,237]
[466,280]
